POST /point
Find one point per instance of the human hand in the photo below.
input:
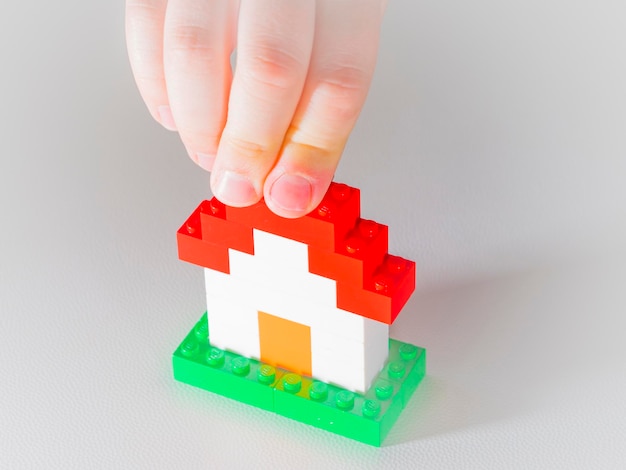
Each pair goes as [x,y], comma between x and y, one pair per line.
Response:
[276,126]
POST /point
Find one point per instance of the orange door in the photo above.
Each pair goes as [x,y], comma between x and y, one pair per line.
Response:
[285,343]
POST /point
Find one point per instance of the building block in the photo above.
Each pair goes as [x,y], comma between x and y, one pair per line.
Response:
[216,229]
[351,364]
[193,249]
[341,206]
[288,271]
[246,380]
[362,418]
[384,294]
[205,238]
[283,256]
[405,368]
[239,334]
[285,343]
[344,368]
[355,257]
[366,417]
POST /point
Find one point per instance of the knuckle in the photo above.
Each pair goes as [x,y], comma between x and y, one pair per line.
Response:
[184,41]
[247,148]
[343,91]
[309,141]
[273,67]
[347,78]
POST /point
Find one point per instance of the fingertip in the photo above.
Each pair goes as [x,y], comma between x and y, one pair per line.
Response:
[289,195]
[293,195]
[205,161]
[166,118]
[234,189]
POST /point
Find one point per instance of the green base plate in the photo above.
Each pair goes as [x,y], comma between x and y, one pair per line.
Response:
[366,418]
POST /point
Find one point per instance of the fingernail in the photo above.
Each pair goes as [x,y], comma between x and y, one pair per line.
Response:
[234,189]
[166,119]
[205,161]
[291,193]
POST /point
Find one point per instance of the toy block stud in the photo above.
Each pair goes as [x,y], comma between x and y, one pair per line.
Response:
[199,364]
[193,249]
[384,293]
[219,231]
[355,257]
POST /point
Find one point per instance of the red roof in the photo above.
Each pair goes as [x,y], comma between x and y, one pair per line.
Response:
[342,246]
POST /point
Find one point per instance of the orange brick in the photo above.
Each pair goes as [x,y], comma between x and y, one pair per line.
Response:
[285,344]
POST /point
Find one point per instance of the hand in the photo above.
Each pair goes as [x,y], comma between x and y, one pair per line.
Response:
[276,126]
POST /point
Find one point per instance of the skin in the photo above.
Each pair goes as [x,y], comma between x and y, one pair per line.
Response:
[276,125]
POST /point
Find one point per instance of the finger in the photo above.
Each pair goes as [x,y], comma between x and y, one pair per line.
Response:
[274,44]
[198,41]
[341,70]
[144,39]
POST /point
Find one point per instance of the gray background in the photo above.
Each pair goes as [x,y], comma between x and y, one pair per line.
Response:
[493,144]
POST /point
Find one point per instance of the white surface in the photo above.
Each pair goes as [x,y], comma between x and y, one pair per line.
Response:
[493,146]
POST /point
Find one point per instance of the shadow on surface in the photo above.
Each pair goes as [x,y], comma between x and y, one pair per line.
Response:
[499,348]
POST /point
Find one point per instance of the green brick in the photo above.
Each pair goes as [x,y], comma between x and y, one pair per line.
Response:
[246,380]
[405,367]
[366,418]
[371,416]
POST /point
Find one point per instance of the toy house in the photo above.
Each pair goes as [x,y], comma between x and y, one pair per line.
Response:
[298,314]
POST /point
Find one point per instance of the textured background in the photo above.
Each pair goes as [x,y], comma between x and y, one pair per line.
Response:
[493,143]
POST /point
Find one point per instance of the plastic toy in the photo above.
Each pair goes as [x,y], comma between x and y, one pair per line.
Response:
[299,313]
